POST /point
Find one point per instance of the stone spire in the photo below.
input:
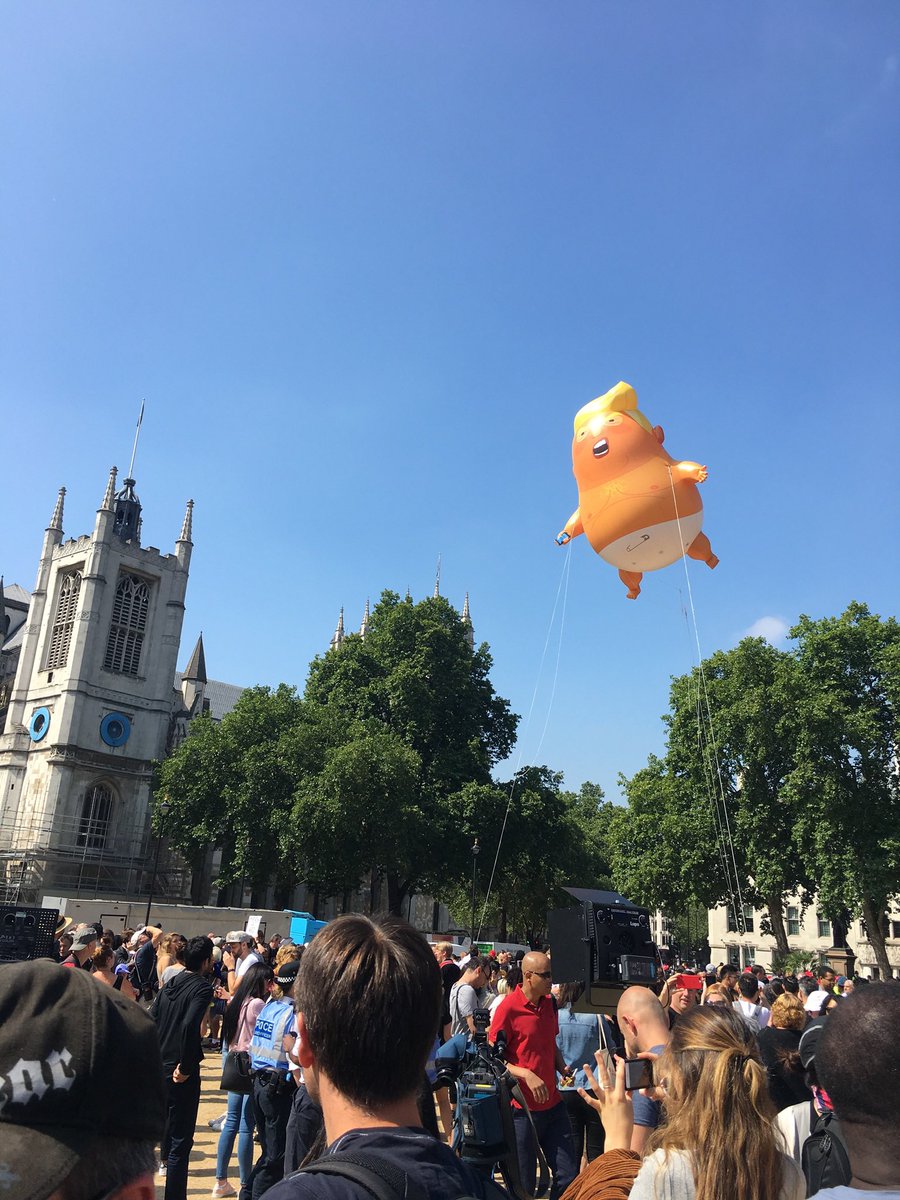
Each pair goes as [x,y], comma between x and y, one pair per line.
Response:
[437,579]
[2,614]
[337,638]
[56,521]
[467,623]
[408,596]
[193,681]
[196,668]
[364,628]
[187,524]
[109,500]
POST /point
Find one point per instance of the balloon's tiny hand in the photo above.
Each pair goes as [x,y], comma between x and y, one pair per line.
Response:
[562,538]
[702,475]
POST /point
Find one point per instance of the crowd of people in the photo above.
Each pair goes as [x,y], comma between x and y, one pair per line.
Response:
[717,1083]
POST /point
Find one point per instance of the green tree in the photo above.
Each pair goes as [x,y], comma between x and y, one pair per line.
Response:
[362,812]
[552,839]
[663,845]
[844,786]
[713,817]
[421,721]
[231,785]
[742,746]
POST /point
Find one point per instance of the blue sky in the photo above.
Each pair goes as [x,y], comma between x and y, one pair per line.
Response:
[366,261]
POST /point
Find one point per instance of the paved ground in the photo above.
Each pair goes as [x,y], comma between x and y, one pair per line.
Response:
[202,1177]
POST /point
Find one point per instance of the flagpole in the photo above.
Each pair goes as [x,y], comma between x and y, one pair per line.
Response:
[137,434]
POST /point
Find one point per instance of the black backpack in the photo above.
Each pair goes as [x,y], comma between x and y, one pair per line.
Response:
[376,1175]
[824,1157]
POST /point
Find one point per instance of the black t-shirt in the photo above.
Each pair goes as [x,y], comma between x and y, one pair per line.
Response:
[421,1156]
[450,974]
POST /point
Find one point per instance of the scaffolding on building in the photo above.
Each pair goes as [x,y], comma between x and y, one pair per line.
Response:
[54,856]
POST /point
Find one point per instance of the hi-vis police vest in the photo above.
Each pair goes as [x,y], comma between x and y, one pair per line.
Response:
[267,1051]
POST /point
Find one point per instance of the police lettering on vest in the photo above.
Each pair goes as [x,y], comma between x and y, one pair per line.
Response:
[275,1021]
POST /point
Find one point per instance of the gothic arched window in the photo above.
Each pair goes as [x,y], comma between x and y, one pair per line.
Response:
[129,621]
[93,824]
[63,621]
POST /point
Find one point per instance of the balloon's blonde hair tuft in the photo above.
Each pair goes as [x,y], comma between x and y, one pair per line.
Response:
[620,399]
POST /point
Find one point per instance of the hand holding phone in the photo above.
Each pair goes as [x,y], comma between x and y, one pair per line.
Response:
[693,983]
[608,1097]
[638,1074]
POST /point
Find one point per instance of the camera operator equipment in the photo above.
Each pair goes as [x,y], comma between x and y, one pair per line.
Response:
[27,933]
[484,1136]
[604,942]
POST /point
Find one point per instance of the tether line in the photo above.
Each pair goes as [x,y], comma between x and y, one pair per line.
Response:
[564,578]
[720,803]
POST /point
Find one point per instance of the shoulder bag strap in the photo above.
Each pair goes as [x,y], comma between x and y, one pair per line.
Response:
[604,1040]
[377,1175]
[543,1182]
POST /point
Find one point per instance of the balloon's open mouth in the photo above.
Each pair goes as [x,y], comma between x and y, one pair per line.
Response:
[601,448]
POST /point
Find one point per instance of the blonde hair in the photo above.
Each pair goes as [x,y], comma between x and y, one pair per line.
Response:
[285,953]
[718,1107]
[720,991]
[620,399]
[788,1013]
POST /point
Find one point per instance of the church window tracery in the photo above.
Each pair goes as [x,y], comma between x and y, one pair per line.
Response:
[129,622]
[93,825]
[64,621]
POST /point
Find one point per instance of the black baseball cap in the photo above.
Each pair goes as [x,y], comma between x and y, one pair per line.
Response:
[79,1062]
[809,1042]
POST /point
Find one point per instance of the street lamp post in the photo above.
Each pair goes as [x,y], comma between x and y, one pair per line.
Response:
[162,809]
[475,850]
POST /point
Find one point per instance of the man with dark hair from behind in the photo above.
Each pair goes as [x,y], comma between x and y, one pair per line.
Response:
[178,1011]
[368,1006]
[858,1065]
[749,1005]
[81,1095]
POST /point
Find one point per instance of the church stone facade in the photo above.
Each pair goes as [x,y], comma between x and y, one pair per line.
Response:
[90,699]
[88,703]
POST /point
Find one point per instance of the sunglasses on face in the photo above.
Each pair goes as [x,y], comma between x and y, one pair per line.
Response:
[542,974]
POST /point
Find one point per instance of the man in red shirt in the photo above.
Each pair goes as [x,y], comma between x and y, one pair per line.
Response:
[527,1016]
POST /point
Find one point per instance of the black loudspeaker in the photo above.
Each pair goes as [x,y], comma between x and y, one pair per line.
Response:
[602,942]
[26,932]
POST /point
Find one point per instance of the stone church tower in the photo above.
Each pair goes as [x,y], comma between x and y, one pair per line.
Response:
[92,705]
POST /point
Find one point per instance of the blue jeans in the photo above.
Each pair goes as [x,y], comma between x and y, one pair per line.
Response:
[238,1123]
[555,1136]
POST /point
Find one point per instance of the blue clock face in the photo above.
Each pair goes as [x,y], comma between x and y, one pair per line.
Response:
[115,729]
[39,724]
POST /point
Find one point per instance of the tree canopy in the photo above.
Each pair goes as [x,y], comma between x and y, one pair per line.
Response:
[845,786]
[357,775]
[788,760]
[552,838]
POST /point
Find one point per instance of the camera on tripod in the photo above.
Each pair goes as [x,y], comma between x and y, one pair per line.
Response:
[484,1134]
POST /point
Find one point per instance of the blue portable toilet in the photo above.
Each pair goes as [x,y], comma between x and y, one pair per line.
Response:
[304,926]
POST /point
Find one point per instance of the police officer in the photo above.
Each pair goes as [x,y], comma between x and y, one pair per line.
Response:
[273,1086]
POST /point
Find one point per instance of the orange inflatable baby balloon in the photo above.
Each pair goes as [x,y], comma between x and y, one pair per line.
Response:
[638,507]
